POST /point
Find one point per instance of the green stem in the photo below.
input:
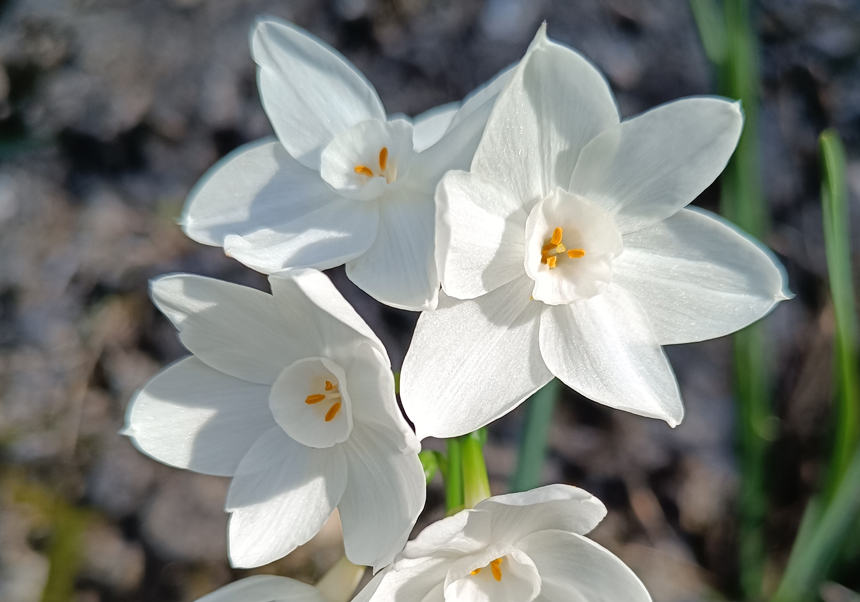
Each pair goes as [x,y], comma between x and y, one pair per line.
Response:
[475,480]
[533,443]
[454,478]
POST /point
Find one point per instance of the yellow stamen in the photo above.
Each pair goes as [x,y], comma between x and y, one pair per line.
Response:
[329,386]
[576,253]
[547,247]
[312,399]
[383,158]
[551,261]
[556,235]
[332,412]
[497,571]
[560,248]
[476,571]
[363,171]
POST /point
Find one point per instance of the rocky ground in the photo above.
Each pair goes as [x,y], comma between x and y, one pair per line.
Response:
[110,110]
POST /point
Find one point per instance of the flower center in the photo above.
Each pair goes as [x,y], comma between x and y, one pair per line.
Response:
[387,170]
[554,249]
[330,393]
[495,568]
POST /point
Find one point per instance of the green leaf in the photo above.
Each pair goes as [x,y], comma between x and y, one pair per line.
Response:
[430,463]
[533,442]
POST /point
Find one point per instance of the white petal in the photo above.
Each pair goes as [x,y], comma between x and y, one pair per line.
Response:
[192,416]
[471,362]
[554,105]
[321,423]
[698,277]
[309,91]
[482,95]
[431,125]
[480,235]
[399,268]
[265,588]
[281,496]
[465,533]
[255,186]
[420,581]
[339,327]
[238,330]
[605,349]
[371,389]
[564,507]
[384,495]
[320,233]
[471,579]
[649,167]
[575,569]
[383,147]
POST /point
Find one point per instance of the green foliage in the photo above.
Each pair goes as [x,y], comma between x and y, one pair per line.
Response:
[533,442]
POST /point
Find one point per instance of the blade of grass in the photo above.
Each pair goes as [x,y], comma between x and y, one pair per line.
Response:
[454,478]
[834,204]
[533,441]
[476,484]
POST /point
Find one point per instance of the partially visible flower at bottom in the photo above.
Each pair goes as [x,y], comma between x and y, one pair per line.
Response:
[336,586]
[520,547]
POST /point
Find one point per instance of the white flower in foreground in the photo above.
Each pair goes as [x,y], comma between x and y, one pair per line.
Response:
[292,395]
[336,586]
[567,251]
[343,183]
[511,548]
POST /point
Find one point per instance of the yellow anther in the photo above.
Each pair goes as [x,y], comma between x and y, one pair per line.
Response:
[363,171]
[551,261]
[556,235]
[497,570]
[547,247]
[312,399]
[576,253]
[332,412]
[329,386]
[476,571]
[560,248]
[383,158]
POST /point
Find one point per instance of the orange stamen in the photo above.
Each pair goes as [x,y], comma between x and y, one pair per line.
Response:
[497,571]
[363,171]
[328,385]
[476,571]
[332,412]
[383,158]
[551,261]
[556,236]
[312,399]
[576,253]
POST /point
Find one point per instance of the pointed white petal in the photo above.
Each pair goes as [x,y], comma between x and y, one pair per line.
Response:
[192,416]
[370,383]
[471,362]
[554,105]
[605,349]
[649,167]
[280,497]
[467,532]
[321,233]
[698,277]
[384,495]
[309,91]
[399,268]
[419,582]
[340,328]
[575,569]
[238,330]
[265,588]
[431,125]
[257,185]
[480,235]
[563,507]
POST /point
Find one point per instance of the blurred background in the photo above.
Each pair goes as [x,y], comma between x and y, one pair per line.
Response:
[110,110]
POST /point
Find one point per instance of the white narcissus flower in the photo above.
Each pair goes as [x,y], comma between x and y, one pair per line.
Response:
[567,252]
[292,395]
[344,183]
[511,548]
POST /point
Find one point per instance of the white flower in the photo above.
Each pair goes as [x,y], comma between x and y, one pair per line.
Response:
[511,548]
[292,395]
[343,183]
[336,586]
[567,251]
